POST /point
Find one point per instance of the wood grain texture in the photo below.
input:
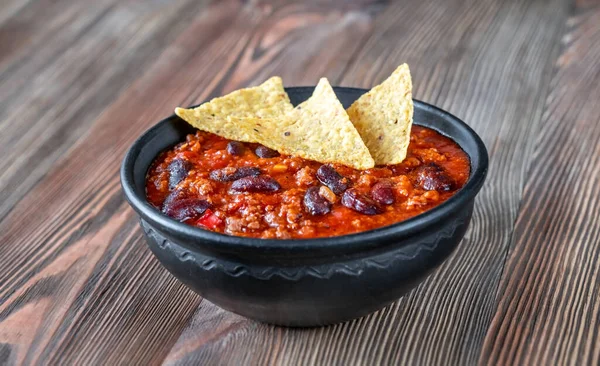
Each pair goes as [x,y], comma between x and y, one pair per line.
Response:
[79,58]
[80,80]
[548,310]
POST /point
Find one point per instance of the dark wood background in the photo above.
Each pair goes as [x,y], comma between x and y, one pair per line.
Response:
[80,80]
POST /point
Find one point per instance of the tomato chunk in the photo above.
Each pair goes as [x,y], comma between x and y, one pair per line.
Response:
[209,220]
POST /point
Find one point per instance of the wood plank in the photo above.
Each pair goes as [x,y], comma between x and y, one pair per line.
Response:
[83,267]
[548,303]
[491,68]
[11,7]
[35,33]
[49,98]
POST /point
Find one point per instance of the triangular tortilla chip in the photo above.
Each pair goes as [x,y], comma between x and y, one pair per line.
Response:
[239,115]
[319,129]
[383,117]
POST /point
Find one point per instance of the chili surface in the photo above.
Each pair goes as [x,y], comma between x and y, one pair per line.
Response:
[245,189]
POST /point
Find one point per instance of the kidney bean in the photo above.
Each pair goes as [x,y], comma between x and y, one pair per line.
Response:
[178,170]
[186,209]
[332,179]
[261,183]
[230,174]
[359,202]
[383,193]
[175,195]
[236,148]
[314,203]
[265,152]
[432,177]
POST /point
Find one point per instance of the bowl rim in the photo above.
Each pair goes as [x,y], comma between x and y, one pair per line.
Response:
[341,244]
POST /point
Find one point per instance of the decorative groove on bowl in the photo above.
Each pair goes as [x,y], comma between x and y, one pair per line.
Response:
[354,268]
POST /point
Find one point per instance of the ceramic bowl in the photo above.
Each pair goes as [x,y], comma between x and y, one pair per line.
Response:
[308,282]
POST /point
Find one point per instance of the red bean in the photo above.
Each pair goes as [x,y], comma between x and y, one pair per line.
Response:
[236,148]
[332,179]
[175,195]
[230,174]
[360,203]
[178,170]
[314,203]
[265,152]
[261,183]
[186,209]
[432,177]
[383,193]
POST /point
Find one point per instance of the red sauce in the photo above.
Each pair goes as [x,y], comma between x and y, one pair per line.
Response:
[200,182]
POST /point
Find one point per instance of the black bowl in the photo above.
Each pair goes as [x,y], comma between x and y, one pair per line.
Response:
[306,282]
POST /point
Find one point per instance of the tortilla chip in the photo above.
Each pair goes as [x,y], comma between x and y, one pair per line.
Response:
[383,117]
[319,129]
[237,129]
[239,115]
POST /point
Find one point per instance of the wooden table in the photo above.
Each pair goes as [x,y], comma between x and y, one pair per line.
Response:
[80,80]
